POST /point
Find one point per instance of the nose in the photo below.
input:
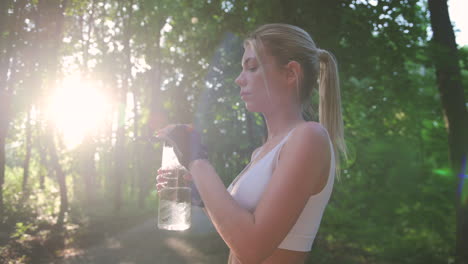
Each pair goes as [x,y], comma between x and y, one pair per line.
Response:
[240,80]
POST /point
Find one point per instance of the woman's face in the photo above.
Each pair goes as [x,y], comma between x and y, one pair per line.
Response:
[256,81]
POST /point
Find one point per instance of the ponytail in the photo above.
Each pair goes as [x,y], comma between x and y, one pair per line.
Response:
[330,115]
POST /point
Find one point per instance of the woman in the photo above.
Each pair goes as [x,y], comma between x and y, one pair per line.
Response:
[271,212]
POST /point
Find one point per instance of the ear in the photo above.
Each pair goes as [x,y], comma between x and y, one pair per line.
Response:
[293,73]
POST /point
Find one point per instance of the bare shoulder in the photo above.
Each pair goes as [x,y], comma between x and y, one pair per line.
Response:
[308,148]
[300,172]
[254,153]
[309,134]
[309,143]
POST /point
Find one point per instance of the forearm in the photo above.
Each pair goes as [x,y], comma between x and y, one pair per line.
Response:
[227,216]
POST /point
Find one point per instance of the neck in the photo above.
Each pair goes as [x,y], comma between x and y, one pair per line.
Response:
[282,121]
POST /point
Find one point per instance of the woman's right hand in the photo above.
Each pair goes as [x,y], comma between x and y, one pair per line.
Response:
[162,182]
[162,178]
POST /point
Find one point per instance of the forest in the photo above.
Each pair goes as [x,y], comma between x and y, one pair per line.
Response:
[85,83]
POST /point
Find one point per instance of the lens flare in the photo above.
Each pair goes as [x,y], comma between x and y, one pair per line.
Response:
[77,108]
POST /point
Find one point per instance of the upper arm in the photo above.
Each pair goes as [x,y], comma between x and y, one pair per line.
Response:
[301,170]
[251,159]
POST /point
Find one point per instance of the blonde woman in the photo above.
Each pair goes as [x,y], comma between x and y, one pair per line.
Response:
[271,212]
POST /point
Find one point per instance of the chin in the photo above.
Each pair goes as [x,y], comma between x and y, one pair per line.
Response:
[253,108]
[249,107]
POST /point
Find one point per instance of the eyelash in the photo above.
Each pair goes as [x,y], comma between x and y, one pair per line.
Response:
[252,69]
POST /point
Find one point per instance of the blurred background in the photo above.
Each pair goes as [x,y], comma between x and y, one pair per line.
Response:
[84,82]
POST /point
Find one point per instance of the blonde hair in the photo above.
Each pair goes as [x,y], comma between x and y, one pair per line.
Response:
[290,43]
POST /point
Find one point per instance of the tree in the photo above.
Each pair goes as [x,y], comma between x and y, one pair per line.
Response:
[452,97]
[178,61]
[9,42]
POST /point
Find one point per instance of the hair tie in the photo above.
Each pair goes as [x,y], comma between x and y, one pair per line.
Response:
[322,54]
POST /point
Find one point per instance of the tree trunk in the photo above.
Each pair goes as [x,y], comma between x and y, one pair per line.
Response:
[2,173]
[120,164]
[9,26]
[54,28]
[88,170]
[133,88]
[42,158]
[5,99]
[449,83]
[136,151]
[157,117]
[87,148]
[27,157]
[60,174]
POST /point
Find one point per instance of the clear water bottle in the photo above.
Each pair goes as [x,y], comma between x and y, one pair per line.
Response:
[175,205]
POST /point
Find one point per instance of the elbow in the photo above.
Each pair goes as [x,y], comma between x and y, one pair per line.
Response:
[249,258]
[253,247]
[246,254]
[252,253]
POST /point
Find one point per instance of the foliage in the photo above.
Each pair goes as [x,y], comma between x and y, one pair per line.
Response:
[162,62]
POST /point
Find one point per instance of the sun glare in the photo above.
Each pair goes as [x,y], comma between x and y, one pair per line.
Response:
[77,108]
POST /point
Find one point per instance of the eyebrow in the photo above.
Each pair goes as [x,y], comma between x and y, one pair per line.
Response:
[247,60]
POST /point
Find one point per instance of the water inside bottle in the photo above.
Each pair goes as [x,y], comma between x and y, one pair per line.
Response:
[174,208]
[174,212]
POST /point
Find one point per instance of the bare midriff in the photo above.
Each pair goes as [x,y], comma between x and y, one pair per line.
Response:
[279,256]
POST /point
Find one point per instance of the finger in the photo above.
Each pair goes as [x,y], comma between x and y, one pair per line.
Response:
[188,177]
[162,171]
[159,186]
[187,182]
[190,127]
[164,131]
[162,179]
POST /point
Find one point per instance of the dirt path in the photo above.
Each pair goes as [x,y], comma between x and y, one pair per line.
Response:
[145,243]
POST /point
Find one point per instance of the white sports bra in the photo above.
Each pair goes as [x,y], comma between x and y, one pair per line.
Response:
[249,186]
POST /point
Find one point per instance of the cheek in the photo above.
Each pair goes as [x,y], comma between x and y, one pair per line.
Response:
[258,83]
[259,100]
